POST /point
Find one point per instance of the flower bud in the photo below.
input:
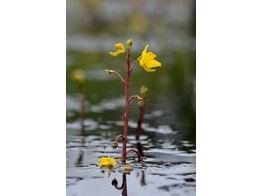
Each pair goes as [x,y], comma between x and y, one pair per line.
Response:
[143,91]
[129,44]
[114,145]
[123,120]
[109,71]
[139,99]
[114,182]
[78,75]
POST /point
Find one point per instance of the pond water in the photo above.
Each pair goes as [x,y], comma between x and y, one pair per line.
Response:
[168,134]
[167,137]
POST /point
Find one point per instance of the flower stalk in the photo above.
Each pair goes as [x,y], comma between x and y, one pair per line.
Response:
[115,143]
[137,153]
[128,71]
[114,72]
[139,99]
[78,76]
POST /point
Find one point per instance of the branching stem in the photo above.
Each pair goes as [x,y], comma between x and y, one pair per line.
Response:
[140,99]
[133,65]
[137,153]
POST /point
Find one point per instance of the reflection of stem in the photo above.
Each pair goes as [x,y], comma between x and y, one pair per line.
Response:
[124,192]
[79,160]
[123,186]
[143,182]
[81,87]
[139,147]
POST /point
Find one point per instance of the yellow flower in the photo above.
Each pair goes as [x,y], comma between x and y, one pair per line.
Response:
[78,75]
[147,60]
[106,161]
[120,50]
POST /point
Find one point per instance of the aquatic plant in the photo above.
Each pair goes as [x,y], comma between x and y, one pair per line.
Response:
[78,76]
[143,93]
[147,61]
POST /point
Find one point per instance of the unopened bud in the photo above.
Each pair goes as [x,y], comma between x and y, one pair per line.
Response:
[123,120]
[114,182]
[143,91]
[139,99]
[78,75]
[129,44]
[109,71]
[114,145]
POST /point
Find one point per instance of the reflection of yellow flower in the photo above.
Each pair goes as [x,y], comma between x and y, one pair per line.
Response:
[147,60]
[126,167]
[121,49]
[106,161]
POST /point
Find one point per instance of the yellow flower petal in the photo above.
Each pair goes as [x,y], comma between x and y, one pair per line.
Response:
[112,161]
[147,60]
[103,161]
[121,49]
[106,161]
[145,49]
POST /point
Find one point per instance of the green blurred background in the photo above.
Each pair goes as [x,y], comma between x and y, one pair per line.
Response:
[94,26]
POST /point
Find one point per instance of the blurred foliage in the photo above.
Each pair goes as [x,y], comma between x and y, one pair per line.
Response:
[167,26]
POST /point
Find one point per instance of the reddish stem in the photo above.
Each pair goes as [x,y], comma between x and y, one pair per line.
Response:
[141,117]
[137,153]
[133,65]
[135,97]
[115,143]
[139,123]
[118,75]
[128,71]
